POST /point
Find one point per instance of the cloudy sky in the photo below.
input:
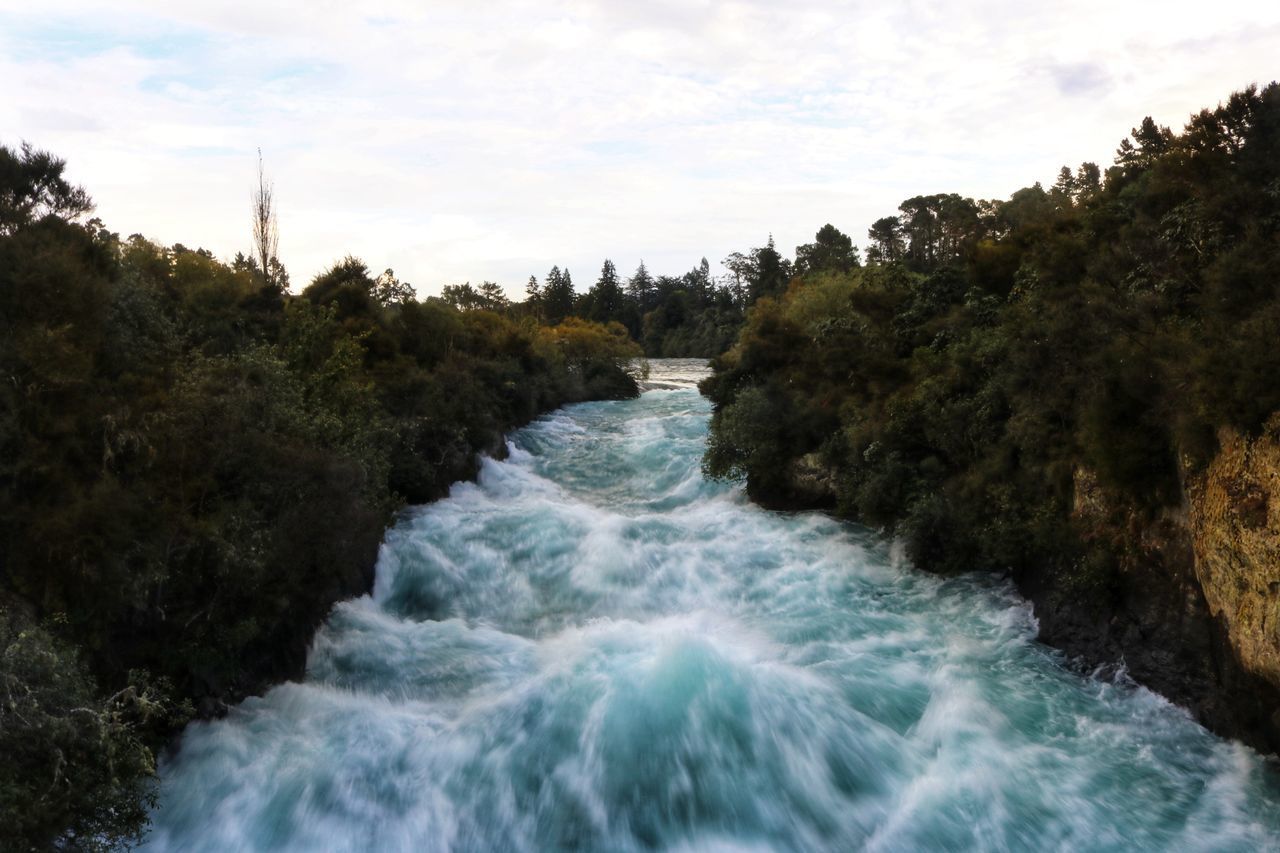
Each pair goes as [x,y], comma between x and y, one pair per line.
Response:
[461,141]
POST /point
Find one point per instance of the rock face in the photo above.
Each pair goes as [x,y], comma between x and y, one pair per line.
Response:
[1234,518]
[1192,604]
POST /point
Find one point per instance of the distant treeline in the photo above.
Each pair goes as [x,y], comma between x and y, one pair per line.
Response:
[695,315]
[195,465]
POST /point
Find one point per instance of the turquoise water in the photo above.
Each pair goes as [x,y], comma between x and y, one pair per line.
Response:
[592,648]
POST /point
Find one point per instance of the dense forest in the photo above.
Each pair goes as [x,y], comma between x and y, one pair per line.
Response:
[196,464]
[999,370]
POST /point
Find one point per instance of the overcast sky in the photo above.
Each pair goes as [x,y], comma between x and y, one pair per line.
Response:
[461,141]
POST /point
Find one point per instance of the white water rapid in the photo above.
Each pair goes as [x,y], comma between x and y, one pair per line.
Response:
[593,648]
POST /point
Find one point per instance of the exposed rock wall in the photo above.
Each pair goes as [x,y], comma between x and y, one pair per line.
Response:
[1138,604]
[1234,518]
[1192,604]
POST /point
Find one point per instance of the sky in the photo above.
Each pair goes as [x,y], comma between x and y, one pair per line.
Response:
[471,141]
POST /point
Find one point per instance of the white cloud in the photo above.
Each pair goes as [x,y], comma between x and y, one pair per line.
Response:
[460,141]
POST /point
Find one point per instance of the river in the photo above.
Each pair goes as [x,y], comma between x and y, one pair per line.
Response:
[594,648]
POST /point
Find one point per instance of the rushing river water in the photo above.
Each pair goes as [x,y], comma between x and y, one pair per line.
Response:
[593,648]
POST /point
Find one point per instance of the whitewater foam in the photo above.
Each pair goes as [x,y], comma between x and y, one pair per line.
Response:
[592,648]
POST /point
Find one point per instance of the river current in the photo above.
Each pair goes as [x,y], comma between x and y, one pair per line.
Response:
[594,648]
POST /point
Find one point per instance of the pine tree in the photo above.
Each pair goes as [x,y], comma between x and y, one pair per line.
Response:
[606,301]
[887,244]
[557,296]
[641,290]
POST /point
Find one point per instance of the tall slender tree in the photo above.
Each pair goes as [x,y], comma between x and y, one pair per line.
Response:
[266,231]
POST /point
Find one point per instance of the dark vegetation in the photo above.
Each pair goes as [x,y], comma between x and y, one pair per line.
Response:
[997,362]
[195,465]
[695,315]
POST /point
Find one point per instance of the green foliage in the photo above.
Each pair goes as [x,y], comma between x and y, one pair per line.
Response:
[992,350]
[763,272]
[745,442]
[557,296]
[487,297]
[32,187]
[830,251]
[686,316]
[76,773]
[606,301]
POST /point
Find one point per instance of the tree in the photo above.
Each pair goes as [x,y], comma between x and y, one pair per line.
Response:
[389,290]
[94,784]
[1150,140]
[1065,188]
[557,296]
[961,226]
[740,268]
[1088,181]
[487,297]
[493,296]
[278,275]
[698,283]
[533,297]
[763,272]
[348,286]
[461,296]
[32,187]
[830,251]
[770,272]
[887,243]
[605,301]
[640,289]
[1024,209]
[920,226]
[266,233]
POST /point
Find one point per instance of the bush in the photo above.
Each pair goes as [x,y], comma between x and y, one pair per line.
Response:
[75,773]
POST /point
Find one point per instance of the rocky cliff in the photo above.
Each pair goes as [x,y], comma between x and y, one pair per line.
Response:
[1142,602]
[1234,523]
[1191,603]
